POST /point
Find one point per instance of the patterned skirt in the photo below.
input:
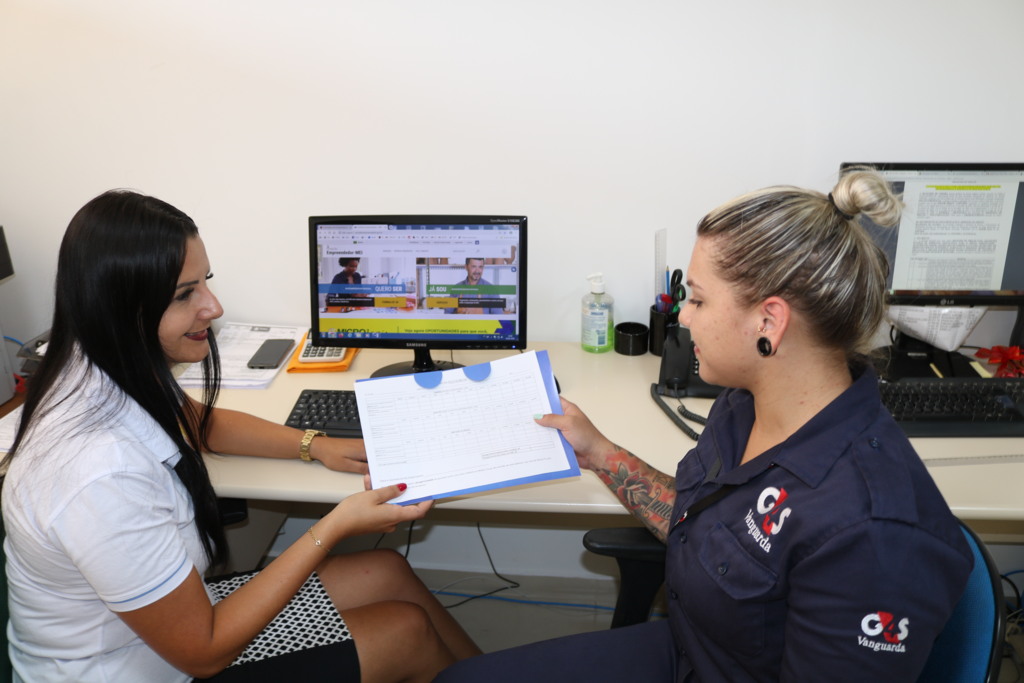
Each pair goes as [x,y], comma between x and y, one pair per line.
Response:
[308,639]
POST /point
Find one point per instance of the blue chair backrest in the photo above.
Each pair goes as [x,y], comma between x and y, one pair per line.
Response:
[969,649]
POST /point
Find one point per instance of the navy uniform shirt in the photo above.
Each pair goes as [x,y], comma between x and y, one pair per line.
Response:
[832,556]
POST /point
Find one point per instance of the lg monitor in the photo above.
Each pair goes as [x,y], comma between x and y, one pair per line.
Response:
[418,282]
[960,240]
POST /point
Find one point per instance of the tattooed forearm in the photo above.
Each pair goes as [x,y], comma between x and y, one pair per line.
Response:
[647,493]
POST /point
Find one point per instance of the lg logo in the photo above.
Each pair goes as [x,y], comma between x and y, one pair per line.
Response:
[769,504]
[885,624]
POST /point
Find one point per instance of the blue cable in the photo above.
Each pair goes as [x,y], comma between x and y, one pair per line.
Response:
[13,340]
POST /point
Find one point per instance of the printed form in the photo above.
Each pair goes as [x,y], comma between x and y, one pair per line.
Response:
[464,430]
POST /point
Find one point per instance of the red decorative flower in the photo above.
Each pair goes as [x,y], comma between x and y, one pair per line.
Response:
[1010,360]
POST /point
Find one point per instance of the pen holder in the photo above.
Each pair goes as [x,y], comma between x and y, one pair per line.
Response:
[660,324]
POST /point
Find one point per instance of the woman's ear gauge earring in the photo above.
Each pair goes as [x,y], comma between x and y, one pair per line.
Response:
[764,344]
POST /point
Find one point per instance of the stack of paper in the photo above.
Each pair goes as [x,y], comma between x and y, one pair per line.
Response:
[236,343]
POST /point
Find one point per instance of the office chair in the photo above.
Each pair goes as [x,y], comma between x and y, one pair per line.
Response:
[233,510]
[969,648]
[641,560]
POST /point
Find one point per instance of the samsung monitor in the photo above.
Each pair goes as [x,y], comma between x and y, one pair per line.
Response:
[418,282]
[960,240]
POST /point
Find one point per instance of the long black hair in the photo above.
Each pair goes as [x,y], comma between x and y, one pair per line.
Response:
[117,271]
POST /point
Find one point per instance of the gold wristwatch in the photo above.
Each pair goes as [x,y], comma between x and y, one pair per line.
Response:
[307,439]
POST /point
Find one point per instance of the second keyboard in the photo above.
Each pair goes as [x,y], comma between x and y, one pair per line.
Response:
[956,406]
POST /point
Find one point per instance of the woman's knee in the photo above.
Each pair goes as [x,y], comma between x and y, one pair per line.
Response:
[373,576]
[389,561]
[393,624]
[378,562]
[395,635]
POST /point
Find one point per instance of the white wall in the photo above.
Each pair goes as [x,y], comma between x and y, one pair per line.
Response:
[601,120]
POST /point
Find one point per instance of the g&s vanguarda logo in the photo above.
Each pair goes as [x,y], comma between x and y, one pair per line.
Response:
[883,624]
[771,506]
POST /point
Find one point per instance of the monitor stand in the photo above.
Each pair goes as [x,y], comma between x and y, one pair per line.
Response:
[421,362]
[1017,334]
[909,357]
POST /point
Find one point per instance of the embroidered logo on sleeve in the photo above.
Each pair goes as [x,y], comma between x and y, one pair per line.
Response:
[772,516]
[883,624]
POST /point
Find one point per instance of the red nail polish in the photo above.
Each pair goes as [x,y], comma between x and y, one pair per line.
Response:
[402,487]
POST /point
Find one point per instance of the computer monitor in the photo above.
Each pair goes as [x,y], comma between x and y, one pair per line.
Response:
[6,267]
[418,282]
[6,273]
[960,241]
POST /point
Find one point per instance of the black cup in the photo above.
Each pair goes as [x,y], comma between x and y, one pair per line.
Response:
[631,339]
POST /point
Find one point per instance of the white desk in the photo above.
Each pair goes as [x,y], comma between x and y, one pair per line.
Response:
[614,391]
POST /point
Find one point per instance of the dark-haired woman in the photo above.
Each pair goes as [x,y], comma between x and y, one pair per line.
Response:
[805,539]
[111,519]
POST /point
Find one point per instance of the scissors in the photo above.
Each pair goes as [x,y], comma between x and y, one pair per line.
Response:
[676,289]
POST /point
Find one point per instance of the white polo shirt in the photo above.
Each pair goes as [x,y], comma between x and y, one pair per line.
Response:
[97,523]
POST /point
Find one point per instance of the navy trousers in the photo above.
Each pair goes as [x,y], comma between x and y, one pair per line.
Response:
[645,652]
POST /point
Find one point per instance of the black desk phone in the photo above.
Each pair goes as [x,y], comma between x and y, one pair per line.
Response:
[679,377]
[680,369]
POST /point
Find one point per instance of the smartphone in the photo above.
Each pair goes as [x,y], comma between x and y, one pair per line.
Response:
[271,354]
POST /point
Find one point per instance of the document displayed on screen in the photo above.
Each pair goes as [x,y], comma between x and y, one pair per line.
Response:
[954,235]
[464,430]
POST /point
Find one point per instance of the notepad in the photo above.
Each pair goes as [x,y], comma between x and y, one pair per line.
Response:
[466,430]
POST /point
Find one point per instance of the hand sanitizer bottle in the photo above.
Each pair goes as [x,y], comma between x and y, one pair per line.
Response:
[598,320]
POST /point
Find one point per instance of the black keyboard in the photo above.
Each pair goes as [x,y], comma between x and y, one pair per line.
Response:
[956,406]
[330,410]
